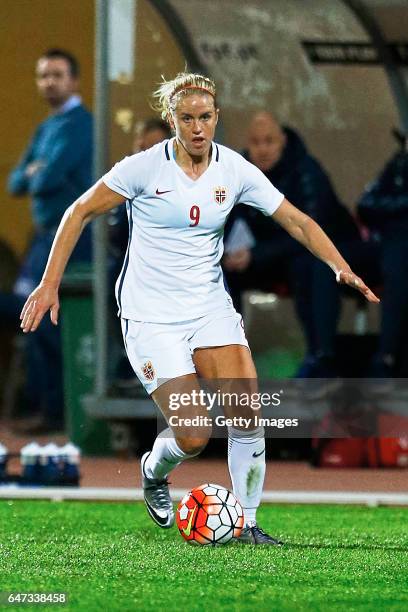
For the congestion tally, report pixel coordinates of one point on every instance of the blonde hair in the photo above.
(169, 93)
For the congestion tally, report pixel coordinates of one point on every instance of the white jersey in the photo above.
(172, 270)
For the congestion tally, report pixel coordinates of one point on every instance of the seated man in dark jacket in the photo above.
(274, 256)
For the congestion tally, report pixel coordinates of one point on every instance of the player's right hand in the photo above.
(42, 299)
(354, 281)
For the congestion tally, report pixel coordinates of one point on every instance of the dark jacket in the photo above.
(305, 184)
(63, 142)
(384, 204)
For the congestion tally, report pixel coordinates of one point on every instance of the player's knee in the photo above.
(193, 446)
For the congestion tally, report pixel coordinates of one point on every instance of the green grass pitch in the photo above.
(112, 557)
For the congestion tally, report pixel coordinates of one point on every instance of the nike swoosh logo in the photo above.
(187, 530)
(159, 520)
(161, 192)
(258, 454)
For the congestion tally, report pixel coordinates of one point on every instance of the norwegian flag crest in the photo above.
(148, 370)
(220, 195)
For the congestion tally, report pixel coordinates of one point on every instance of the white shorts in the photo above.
(160, 351)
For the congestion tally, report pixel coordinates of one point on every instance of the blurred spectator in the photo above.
(148, 133)
(382, 259)
(55, 169)
(262, 254)
(383, 207)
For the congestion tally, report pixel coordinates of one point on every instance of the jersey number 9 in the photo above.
(194, 215)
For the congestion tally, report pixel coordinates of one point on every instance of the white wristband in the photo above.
(338, 275)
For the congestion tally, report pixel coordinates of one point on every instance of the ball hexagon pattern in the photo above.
(183, 512)
(209, 515)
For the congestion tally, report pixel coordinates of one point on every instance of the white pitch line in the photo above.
(376, 498)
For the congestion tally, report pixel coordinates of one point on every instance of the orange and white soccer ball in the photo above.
(209, 515)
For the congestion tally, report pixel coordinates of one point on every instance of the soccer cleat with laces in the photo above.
(252, 534)
(157, 498)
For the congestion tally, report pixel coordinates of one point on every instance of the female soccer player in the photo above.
(177, 318)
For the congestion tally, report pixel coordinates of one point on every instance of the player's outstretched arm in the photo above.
(310, 234)
(94, 202)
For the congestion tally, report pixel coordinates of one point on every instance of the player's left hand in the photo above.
(354, 281)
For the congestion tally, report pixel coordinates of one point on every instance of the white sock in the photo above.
(165, 456)
(246, 470)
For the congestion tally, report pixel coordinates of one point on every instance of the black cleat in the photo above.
(157, 499)
(252, 534)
